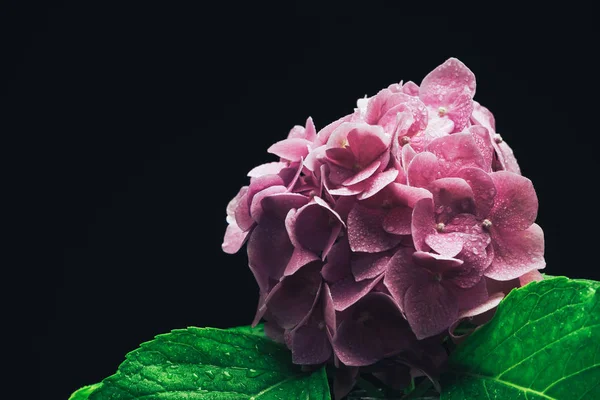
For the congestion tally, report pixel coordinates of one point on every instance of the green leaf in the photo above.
(212, 364)
(543, 343)
(257, 330)
(84, 392)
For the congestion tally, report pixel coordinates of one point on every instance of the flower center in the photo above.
(344, 143)
(404, 140)
(487, 224)
(442, 111)
(440, 227)
(498, 138)
(437, 277)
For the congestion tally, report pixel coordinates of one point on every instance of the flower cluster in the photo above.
(387, 227)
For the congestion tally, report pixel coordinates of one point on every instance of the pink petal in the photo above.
(407, 195)
(482, 116)
(310, 133)
(452, 196)
(484, 190)
(242, 214)
(516, 253)
(423, 223)
(516, 204)
(447, 244)
(271, 168)
(315, 158)
(455, 152)
(484, 142)
(401, 273)
(377, 182)
(368, 142)
(452, 86)
(366, 233)
(507, 158)
(234, 239)
(398, 221)
(324, 134)
(290, 149)
(410, 88)
(347, 291)
(472, 297)
(362, 174)
(423, 169)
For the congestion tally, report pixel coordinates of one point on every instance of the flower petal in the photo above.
(348, 291)
(516, 204)
(290, 149)
(423, 223)
(292, 299)
(373, 330)
(368, 265)
(271, 168)
(430, 308)
(398, 221)
(516, 253)
(452, 86)
(365, 230)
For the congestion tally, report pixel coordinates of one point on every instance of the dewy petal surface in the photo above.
(373, 330)
(451, 86)
(515, 204)
(516, 253)
(365, 230)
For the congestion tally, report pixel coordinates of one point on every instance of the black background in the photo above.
(128, 127)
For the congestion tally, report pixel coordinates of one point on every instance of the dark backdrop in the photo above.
(130, 126)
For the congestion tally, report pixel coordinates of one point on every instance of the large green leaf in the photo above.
(543, 343)
(211, 364)
(85, 392)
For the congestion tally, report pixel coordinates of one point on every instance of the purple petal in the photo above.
(401, 273)
(279, 204)
(310, 342)
(338, 262)
(516, 253)
(368, 265)
(430, 308)
(329, 313)
(373, 330)
(348, 291)
(256, 207)
(269, 248)
(300, 257)
(365, 230)
(516, 204)
(292, 299)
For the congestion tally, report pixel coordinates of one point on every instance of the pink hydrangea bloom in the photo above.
(376, 235)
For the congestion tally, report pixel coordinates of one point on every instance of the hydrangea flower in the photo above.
(376, 235)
